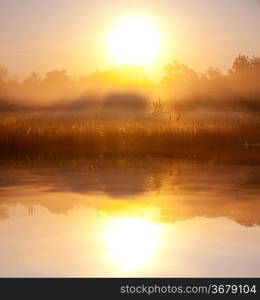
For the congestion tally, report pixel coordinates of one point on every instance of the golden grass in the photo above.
(50, 137)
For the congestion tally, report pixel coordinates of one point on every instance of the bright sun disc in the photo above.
(134, 41)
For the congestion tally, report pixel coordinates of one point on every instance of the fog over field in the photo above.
(127, 92)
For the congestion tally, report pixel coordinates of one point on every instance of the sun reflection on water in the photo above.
(132, 242)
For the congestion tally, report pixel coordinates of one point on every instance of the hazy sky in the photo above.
(48, 34)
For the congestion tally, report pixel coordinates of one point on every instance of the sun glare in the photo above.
(131, 242)
(134, 41)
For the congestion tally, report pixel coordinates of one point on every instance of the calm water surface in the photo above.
(130, 218)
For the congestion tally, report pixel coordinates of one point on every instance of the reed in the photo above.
(45, 136)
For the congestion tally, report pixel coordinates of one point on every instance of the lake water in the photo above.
(146, 217)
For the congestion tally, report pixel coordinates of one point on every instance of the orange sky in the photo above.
(43, 35)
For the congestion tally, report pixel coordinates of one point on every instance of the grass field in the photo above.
(21, 135)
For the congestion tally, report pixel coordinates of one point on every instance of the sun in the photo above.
(134, 41)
